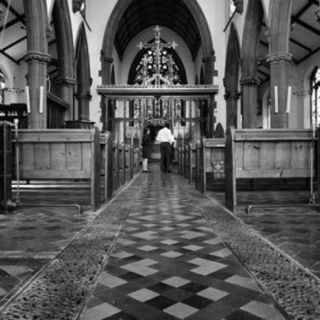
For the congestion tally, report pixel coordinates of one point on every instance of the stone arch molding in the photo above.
(111, 28)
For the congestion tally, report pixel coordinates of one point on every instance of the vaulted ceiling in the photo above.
(172, 14)
(304, 36)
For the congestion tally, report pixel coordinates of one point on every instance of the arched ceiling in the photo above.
(172, 14)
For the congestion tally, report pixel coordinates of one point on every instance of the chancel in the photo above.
(96, 223)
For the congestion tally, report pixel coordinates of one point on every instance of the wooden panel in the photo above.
(59, 160)
(282, 155)
(27, 156)
(251, 158)
(300, 153)
(238, 154)
(42, 156)
(267, 155)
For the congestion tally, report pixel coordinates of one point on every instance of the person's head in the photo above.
(167, 125)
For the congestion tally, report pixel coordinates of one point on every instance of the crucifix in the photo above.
(156, 47)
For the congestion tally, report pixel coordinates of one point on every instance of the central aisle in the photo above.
(168, 264)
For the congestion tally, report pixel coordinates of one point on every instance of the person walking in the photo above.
(146, 148)
(166, 139)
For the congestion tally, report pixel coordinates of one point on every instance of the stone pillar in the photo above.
(66, 92)
(83, 102)
(279, 70)
(232, 107)
(208, 63)
(249, 101)
(279, 59)
(37, 59)
(106, 68)
(36, 77)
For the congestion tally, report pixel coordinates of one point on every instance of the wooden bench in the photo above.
(210, 164)
(56, 154)
(259, 153)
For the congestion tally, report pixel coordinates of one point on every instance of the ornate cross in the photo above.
(156, 47)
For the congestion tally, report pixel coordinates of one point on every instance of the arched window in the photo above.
(315, 97)
(2, 86)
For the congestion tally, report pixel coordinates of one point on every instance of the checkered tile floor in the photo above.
(168, 264)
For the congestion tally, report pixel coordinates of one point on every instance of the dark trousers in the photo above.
(165, 152)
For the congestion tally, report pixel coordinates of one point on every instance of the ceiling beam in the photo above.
(308, 55)
(308, 27)
(14, 43)
(9, 57)
(12, 22)
(20, 17)
(296, 16)
(300, 44)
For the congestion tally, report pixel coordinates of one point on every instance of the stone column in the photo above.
(279, 59)
(66, 92)
(249, 101)
(232, 107)
(105, 72)
(83, 101)
(37, 59)
(279, 69)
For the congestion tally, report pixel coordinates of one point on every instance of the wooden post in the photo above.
(198, 169)
(190, 163)
(116, 164)
(95, 170)
(108, 166)
(203, 166)
(230, 171)
(317, 154)
(124, 156)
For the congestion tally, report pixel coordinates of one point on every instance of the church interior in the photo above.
(231, 231)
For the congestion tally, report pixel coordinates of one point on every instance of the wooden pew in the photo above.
(62, 154)
(259, 153)
(210, 161)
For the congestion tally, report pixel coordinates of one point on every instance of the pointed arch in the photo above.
(113, 22)
(83, 74)
(231, 78)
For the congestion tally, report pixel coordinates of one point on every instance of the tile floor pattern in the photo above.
(169, 265)
(294, 229)
(30, 237)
